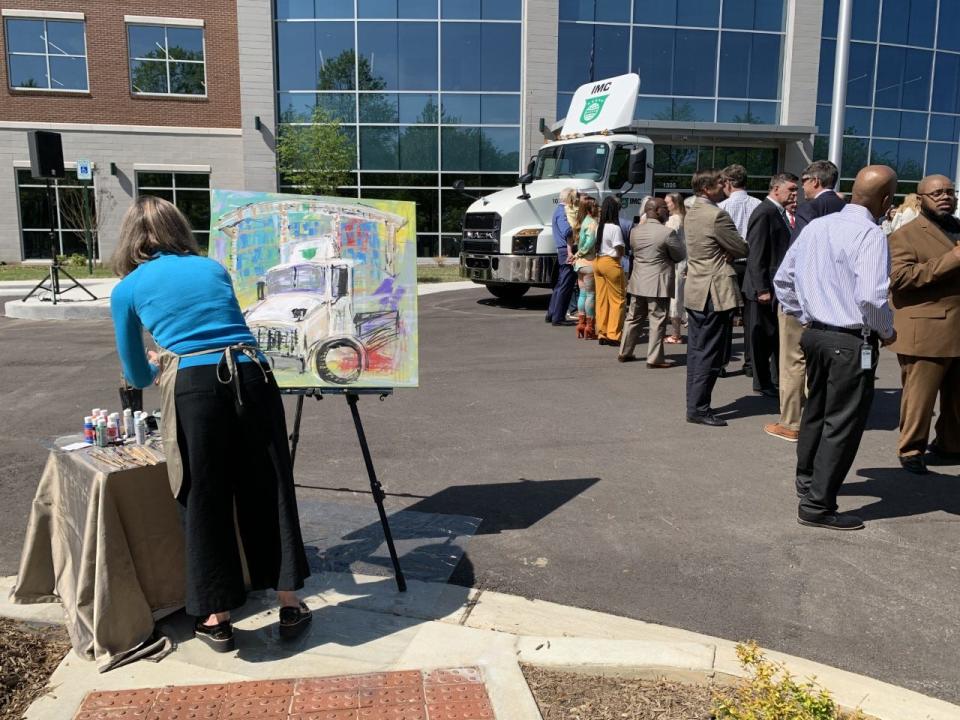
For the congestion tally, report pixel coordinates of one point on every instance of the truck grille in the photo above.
(276, 340)
(481, 232)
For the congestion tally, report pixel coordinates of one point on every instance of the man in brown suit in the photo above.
(656, 250)
(925, 296)
(711, 292)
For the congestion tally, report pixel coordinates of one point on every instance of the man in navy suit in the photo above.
(818, 181)
(768, 236)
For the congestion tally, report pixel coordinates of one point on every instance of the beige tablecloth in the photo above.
(108, 545)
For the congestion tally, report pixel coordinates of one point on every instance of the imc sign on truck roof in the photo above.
(507, 241)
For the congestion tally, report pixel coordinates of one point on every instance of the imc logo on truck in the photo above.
(592, 108)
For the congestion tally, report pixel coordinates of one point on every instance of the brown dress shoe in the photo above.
(658, 366)
(779, 431)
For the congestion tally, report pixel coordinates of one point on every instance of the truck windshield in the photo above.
(580, 160)
(298, 277)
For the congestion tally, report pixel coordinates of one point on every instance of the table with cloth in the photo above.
(108, 545)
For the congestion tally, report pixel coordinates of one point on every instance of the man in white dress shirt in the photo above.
(835, 281)
(739, 206)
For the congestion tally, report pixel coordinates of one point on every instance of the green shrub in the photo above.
(769, 692)
(73, 261)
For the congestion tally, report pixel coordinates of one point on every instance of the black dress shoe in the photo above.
(608, 341)
(769, 392)
(723, 372)
(707, 419)
(831, 521)
(914, 464)
(294, 621)
(941, 456)
(564, 323)
(548, 318)
(747, 371)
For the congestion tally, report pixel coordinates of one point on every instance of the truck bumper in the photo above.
(535, 270)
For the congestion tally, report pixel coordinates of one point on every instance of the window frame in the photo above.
(130, 21)
(173, 171)
(45, 17)
(58, 184)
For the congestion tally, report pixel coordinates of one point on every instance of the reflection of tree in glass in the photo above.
(28, 83)
(681, 111)
(186, 78)
(317, 157)
(748, 118)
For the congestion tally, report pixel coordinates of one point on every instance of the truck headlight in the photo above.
(525, 241)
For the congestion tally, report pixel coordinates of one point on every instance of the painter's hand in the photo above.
(154, 359)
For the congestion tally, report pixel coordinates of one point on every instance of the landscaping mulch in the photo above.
(575, 696)
(28, 656)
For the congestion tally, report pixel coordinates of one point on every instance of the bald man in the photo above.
(925, 294)
(834, 280)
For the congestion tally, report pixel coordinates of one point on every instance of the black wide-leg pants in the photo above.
(237, 479)
(839, 395)
(707, 333)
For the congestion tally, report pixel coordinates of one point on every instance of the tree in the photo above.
(316, 157)
(85, 209)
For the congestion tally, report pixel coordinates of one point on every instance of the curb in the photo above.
(437, 625)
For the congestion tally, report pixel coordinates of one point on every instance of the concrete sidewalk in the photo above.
(76, 304)
(363, 625)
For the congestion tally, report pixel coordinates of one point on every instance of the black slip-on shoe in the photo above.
(707, 419)
(914, 464)
(218, 638)
(563, 323)
(294, 621)
(831, 521)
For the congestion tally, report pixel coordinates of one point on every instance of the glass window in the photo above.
(461, 109)
(499, 109)
(903, 156)
(753, 14)
(70, 216)
(298, 9)
(941, 159)
(481, 9)
(909, 22)
(585, 160)
(681, 109)
(750, 65)
(379, 148)
(944, 127)
(481, 56)
(703, 13)
(828, 49)
(860, 74)
(946, 84)
(903, 78)
(603, 52)
(190, 192)
(46, 54)
(595, 10)
(676, 62)
(743, 111)
(948, 21)
(400, 56)
(894, 124)
(499, 149)
(405, 9)
(418, 148)
(619, 167)
(866, 17)
(166, 60)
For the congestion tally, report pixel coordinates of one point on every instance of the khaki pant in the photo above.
(793, 371)
(639, 309)
(923, 379)
(611, 293)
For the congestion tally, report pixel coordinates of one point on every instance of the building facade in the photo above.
(173, 98)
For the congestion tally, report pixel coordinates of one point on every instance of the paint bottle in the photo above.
(141, 431)
(89, 434)
(95, 414)
(113, 432)
(101, 433)
(128, 426)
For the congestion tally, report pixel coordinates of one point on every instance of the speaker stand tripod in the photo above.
(51, 283)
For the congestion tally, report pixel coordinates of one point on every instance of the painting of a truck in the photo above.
(327, 288)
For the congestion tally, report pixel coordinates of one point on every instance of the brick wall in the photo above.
(110, 100)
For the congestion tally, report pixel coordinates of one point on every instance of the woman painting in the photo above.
(677, 313)
(583, 263)
(223, 426)
(610, 280)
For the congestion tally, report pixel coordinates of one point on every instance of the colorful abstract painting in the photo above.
(327, 285)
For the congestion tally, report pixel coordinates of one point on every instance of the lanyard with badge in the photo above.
(866, 350)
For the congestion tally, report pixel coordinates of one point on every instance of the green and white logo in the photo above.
(592, 108)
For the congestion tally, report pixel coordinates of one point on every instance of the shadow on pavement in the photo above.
(527, 302)
(902, 494)
(748, 406)
(885, 410)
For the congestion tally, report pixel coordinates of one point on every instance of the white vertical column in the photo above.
(539, 84)
(801, 67)
(257, 94)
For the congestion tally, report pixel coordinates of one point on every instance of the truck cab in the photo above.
(507, 240)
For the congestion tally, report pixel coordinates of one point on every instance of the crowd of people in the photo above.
(819, 286)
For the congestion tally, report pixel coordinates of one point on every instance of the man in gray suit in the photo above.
(656, 250)
(711, 293)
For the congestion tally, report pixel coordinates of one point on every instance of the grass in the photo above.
(425, 273)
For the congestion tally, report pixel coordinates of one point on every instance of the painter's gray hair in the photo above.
(568, 195)
(152, 225)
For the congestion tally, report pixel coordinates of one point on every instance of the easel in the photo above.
(353, 397)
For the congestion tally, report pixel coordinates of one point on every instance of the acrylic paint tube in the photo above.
(141, 431)
(89, 434)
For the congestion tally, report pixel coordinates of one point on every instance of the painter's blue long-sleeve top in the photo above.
(187, 304)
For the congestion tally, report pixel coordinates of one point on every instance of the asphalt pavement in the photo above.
(593, 490)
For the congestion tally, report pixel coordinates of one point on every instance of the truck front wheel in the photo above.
(339, 362)
(507, 291)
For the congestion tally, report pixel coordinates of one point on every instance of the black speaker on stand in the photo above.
(46, 162)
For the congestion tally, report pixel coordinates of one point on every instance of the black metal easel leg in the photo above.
(295, 435)
(377, 489)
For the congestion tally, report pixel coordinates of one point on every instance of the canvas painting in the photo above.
(327, 285)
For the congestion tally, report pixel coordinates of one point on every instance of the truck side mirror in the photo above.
(457, 185)
(526, 178)
(638, 166)
(531, 166)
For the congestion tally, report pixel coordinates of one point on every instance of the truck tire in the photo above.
(507, 291)
(339, 362)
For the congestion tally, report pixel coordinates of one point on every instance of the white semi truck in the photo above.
(507, 241)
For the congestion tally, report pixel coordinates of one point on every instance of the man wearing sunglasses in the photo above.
(925, 296)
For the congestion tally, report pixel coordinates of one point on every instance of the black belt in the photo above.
(856, 332)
